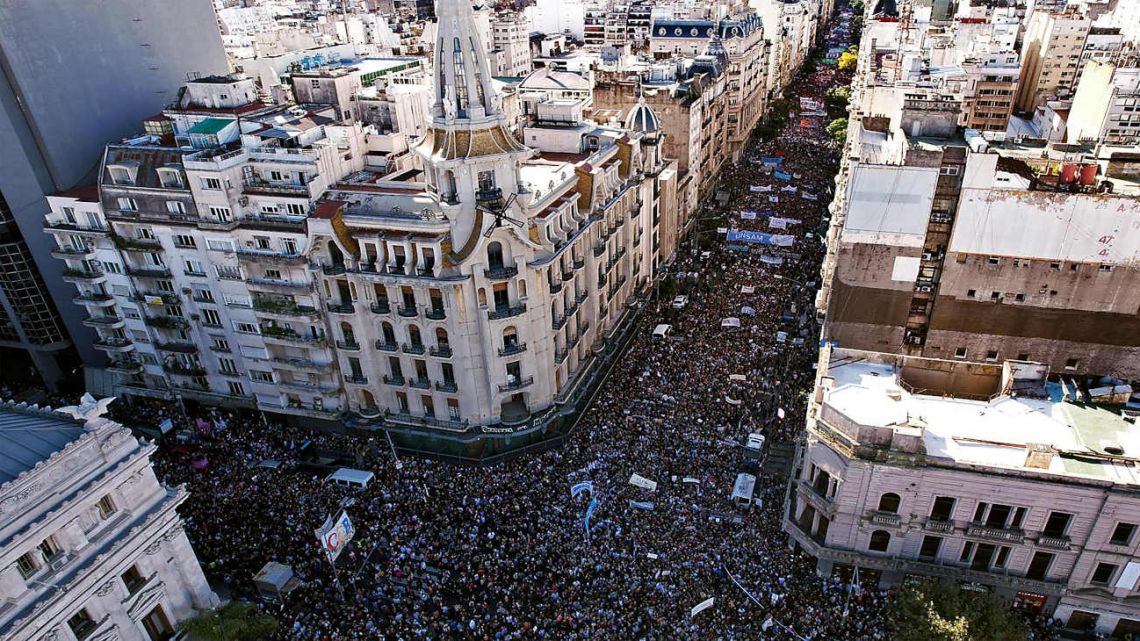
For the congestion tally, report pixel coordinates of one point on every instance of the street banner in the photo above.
(771, 260)
(166, 425)
(773, 199)
(748, 214)
(747, 311)
(808, 196)
(782, 175)
(760, 189)
(747, 289)
(334, 535)
(731, 321)
(642, 505)
(586, 520)
(701, 607)
(772, 160)
(641, 481)
(779, 240)
(777, 223)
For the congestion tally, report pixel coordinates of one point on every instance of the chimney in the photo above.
(1038, 456)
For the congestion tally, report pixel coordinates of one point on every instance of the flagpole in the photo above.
(757, 602)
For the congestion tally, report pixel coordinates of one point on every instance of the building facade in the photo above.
(112, 561)
(978, 473)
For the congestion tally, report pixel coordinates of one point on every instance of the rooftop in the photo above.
(29, 435)
(979, 415)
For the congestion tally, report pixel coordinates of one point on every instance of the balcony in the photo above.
(420, 383)
(89, 276)
(579, 263)
(945, 527)
(442, 351)
(408, 311)
(114, 345)
(91, 298)
(348, 346)
(447, 386)
(980, 530)
(136, 244)
(332, 270)
(77, 228)
(602, 280)
(289, 336)
(567, 276)
(884, 518)
(384, 346)
(555, 288)
(106, 322)
(73, 253)
(341, 308)
(1054, 542)
(599, 250)
(180, 347)
(397, 381)
(284, 308)
(356, 379)
(511, 350)
(148, 271)
(501, 272)
(413, 349)
(500, 313)
(381, 308)
(274, 188)
(125, 367)
(271, 257)
(436, 314)
(560, 356)
(491, 197)
(517, 384)
(167, 322)
(181, 369)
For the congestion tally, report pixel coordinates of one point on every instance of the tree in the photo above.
(837, 129)
(943, 611)
(848, 61)
(235, 621)
(837, 97)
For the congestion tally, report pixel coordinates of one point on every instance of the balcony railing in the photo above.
(413, 349)
(283, 307)
(94, 299)
(397, 381)
(381, 308)
(386, 346)
(560, 356)
(351, 346)
(72, 274)
(259, 186)
(501, 272)
(1055, 542)
(432, 313)
(113, 344)
(516, 384)
(420, 383)
(441, 351)
(181, 347)
(447, 386)
(149, 271)
(511, 350)
(505, 312)
(884, 518)
(934, 525)
(981, 530)
(356, 380)
(408, 311)
(341, 308)
(555, 288)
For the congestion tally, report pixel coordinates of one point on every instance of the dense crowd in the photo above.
(447, 552)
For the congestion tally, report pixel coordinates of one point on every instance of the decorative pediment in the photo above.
(146, 599)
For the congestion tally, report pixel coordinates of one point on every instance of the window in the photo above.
(453, 409)
(220, 244)
(106, 507)
(1072, 363)
(1103, 573)
(960, 352)
(81, 624)
(121, 176)
(194, 268)
(220, 345)
(1057, 524)
(971, 293)
(28, 563)
(1106, 268)
(1122, 534)
(247, 328)
(211, 317)
(261, 376)
(49, 548)
(175, 207)
(995, 296)
(880, 540)
(1019, 298)
(128, 204)
(133, 579)
(889, 502)
(296, 209)
(943, 508)
(221, 213)
(930, 547)
(967, 551)
(211, 183)
(1024, 356)
(184, 240)
(236, 388)
(995, 260)
(992, 355)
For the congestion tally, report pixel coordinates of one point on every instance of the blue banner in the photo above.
(642, 505)
(738, 248)
(780, 240)
(772, 160)
(586, 521)
(781, 175)
(578, 488)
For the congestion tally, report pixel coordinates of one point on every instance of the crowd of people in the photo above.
(507, 552)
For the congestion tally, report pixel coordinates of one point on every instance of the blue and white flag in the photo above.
(771, 260)
(578, 488)
(782, 175)
(586, 520)
(761, 238)
(748, 214)
(642, 505)
(747, 311)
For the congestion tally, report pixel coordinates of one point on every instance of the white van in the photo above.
(743, 489)
(754, 445)
(661, 332)
(350, 478)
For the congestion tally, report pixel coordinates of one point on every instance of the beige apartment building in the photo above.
(1051, 55)
(992, 475)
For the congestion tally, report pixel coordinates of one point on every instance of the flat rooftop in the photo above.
(976, 429)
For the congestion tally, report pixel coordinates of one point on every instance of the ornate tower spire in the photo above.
(463, 90)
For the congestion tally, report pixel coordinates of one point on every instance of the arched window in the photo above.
(346, 331)
(388, 332)
(880, 540)
(889, 502)
(495, 255)
(414, 336)
(449, 187)
(482, 297)
(510, 338)
(441, 337)
(367, 400)
(335, 255)
(522, 288)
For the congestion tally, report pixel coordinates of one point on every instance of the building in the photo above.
(1050, 55)
(558, 17)
(990, 87)
(510, 38)
(1104, 105)
(790, 28)
(94, 547)
(52, 137)
(998, 476)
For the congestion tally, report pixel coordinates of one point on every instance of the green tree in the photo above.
(942, 611)
(837, 97)
(837, 129)
(235, 621)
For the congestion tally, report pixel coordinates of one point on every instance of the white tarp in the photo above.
(641, 481)
(889, 205)
(1128, 577)
(906, 268)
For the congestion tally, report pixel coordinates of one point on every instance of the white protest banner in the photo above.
(737, 377)
(335, 535)
(773, 199)
(722, 230)
(808, 196)
(731, 401)
(641, 481)
(747, 289)
(777, 223)
(689, 479)
(730, 322)
(748, 214)
(701, 607)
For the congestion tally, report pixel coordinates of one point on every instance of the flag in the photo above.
(767, 624)
(578, 488)
(748, 214)
(335, 534)
(701, 607)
